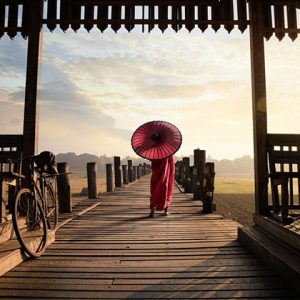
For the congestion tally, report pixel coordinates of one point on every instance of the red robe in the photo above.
(162, 180)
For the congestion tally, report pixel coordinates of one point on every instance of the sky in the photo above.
(95, 89)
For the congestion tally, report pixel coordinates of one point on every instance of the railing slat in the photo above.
(89, 16)
(65, 14)
(116, 16)
(51, 14)
(242, 14)
(102, 12)
(279, 21)
(12, 20)
(292, 21)
(202, 16)
(75, 16)
(189, 16)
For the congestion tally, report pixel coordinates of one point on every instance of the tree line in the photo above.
(241, 166)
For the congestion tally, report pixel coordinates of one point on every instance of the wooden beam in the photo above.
(146, 2)
(30, 126)
(259, 105)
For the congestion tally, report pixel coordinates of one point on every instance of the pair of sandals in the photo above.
(152, 213)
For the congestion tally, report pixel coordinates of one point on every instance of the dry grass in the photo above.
(226, 185)
(78, 180)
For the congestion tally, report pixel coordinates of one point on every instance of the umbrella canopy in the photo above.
(156, 140)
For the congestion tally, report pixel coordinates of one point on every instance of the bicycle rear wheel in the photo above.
(30, 223)
(51, 206)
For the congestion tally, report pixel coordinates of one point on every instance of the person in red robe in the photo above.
(162, 179)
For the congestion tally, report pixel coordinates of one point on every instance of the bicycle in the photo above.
(35, 206)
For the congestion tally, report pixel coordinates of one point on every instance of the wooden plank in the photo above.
(115, 251)
(150, 294)
(284, 140)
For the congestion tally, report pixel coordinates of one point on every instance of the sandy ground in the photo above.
(239, 207)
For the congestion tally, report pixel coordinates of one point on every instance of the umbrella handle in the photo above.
(155, 136)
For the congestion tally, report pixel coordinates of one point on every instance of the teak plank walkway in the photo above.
(115, 251)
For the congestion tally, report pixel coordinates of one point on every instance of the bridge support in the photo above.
(259, 105)
(30, 127)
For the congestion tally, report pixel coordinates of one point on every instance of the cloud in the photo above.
(97, 88)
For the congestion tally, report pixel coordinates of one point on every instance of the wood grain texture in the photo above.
(115, 251)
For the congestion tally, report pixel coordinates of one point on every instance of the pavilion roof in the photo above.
(280, 16)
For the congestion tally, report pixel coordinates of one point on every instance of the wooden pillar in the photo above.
(259, 105)
(2, 203)
(92, 179)
(129, 162)
(187, 184)
(138, 172)
(134, 173)
(209, 174)
(117, 166)
(144, 170)
(64, 188)
(30, 125)
(109, 178)
(199, 163)
(125, 174)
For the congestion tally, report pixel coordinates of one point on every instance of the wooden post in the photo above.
(64, 188)
(92, 179)
(199, 163)
(209, 174)
(109, 178)
(259, 105)
(30, 123)
(130, 170)
(117, 166)
(187, 184)
(125, 174)
(144, 170)
(134, 173)
(192, 179)
(148, 169)
(138, 172)
(2, 203)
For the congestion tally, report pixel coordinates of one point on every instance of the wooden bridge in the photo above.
(115, 251)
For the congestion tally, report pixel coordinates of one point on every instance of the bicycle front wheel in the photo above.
(30, 223)
(51, 207)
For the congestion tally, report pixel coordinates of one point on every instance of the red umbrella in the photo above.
(156, 140)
